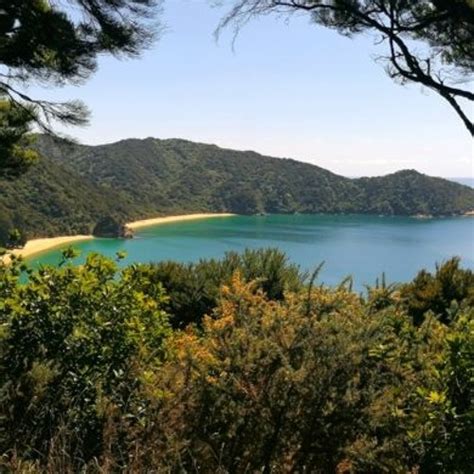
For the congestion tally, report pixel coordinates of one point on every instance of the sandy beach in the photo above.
(168, 219)
(36, 246)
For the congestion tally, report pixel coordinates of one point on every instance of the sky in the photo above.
(285, 89)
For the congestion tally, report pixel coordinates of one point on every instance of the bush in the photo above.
(266, 387)
(193, 289)
(441, 293)
(277, 376)
(71, 341)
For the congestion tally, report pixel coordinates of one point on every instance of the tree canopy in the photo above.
(428, 42)
(56, 43)
(15, 153)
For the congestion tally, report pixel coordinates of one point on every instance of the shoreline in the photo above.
(36, 246)
(44, 244)
(179, 218)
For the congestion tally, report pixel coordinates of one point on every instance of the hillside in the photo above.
(75, 185)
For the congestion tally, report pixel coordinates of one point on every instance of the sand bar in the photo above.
(169, 219)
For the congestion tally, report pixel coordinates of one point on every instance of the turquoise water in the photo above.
(363, 246)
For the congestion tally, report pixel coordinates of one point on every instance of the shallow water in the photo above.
(362, 246)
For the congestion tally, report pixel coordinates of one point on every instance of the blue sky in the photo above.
(288, 89)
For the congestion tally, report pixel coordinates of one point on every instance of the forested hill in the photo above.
(74, 185)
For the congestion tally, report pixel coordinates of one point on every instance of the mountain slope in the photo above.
(179, 175)
(408, 192)
(75, 185)
(52, 198)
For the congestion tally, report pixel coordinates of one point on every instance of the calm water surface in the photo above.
(363, 246)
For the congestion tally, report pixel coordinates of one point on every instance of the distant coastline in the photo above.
(430, 216)
(40, 245)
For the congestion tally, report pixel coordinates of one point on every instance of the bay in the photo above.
(361, 246)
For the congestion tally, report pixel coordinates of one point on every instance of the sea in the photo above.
(362, 246)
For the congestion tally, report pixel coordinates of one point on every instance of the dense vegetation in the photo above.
(110, 227)
(74, 186)
(237, 365)
(162, 368)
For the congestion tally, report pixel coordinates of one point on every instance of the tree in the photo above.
(442, 293)
(16, 238)
(57, 43)
(111, 227)
(444, 29)
(15, 153)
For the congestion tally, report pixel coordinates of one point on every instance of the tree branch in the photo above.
(383, 17)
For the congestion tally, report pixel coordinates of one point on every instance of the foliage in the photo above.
(442, 293)
(110, 227)
(74, 186)
(428, 42)
(16, 239)
(303, 380)
(194, 289)
(381, 295)
(270, 388)
(49, 200)
(71, 341)
(445, 406)
(16, 153)
(57, 43)
(11, 237)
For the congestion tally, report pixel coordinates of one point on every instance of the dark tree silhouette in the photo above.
(444, 29)
(56, 43)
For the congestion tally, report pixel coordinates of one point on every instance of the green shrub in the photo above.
(441, 292)
(71, 339)
(277, 376)
(193, 289)
(266, 387)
